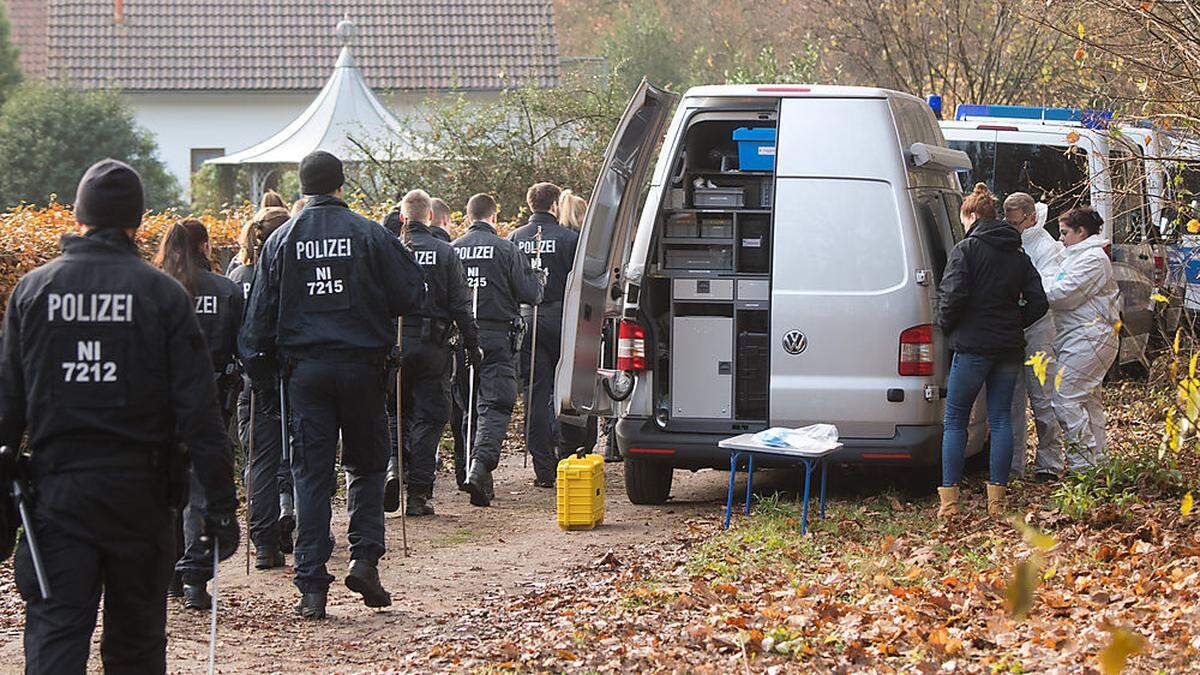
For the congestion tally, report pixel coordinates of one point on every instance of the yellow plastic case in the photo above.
(581, 492)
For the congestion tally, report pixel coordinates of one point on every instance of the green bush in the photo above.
(1127, 476)
(51, 132)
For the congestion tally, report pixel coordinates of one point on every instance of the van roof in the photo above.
(792, 90)
(992, 124)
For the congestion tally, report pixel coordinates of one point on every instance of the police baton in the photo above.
(537, 243)
(212, 628)
(471, 382)
(400, 430)
(17, 492)
(249, 478)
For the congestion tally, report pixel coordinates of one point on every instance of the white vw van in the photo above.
(781, 270)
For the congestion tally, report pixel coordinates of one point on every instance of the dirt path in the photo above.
(460, 555)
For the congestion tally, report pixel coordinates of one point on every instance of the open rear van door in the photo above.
(594, 286)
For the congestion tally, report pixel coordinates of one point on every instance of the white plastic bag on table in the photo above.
(813, 438)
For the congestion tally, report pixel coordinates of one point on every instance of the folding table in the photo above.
(745, 444)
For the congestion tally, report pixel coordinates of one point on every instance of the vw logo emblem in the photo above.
(794, 342)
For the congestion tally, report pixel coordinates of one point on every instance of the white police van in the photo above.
(781, 270)
(1064, 158)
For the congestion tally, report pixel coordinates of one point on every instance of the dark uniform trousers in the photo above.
(195, 564)
(271, 475)
(543, 430)
(326, 396)
(496, 393)
(425, 409)
(107, 531)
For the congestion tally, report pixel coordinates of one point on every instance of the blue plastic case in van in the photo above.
(756, 148)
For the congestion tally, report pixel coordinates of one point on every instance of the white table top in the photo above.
(745, 443)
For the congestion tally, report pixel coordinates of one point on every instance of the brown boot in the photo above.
(996, 500)
(949, 499)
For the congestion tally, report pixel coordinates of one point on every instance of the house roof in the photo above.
(273, 45)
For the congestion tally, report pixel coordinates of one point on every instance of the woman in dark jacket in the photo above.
(989, 294)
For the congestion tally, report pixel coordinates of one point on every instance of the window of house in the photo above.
(202, 155)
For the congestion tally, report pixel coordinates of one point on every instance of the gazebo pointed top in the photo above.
(345, 108)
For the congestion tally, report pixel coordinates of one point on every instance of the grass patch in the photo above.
(1105, 492)
(461, 535)
(770, 539)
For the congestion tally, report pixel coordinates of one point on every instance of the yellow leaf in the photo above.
(1158, 297)
(1073, 137)
(1178, 333)
(1039, 363)
(1192, 365)
(1172, 431)
(1079, 29)
(1185, 507)
(1117, 326)
(1124, 643)
(1035, 537)
(1193, 226)
(1018, 595)
(1058, 380)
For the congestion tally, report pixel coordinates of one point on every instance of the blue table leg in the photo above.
(804, 509)
(824, 466)
(733, 459)
(749, 480)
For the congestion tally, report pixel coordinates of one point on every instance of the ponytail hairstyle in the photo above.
(981, 202)
(571, 210)
(254, 234)
(1083, 218)
(181, 253)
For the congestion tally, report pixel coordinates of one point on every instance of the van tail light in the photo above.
(631, 346)
(916, 350)
(1160, 270)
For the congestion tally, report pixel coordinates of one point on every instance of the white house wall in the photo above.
(233, 121)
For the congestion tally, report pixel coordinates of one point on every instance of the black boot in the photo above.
(418, 502)
(363, 579)
(391, 493)
(196, 597)
(311, 605)
(287, 525)
(267, 557)
(479, 484)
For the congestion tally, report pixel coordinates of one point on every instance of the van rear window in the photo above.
(842, 235)
(1051, 174)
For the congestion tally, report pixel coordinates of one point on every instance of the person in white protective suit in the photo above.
(1085, 302)
(1046, 252)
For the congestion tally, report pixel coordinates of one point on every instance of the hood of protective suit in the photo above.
(1043, 249)
(1084, 295)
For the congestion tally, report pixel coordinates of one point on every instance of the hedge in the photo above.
(29, 236)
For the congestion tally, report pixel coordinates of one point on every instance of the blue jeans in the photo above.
(968, 374)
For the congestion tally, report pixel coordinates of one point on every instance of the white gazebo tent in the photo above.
(345, 109)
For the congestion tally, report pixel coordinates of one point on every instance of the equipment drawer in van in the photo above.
(702, 289)
(699, 257)
(753, 289)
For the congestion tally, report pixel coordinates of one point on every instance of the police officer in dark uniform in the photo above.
(502, 278)
(184, 254)
(103, 364)
(439, 223)
(326, 290)
(272, 510)
(557, 244)
(425, 359)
